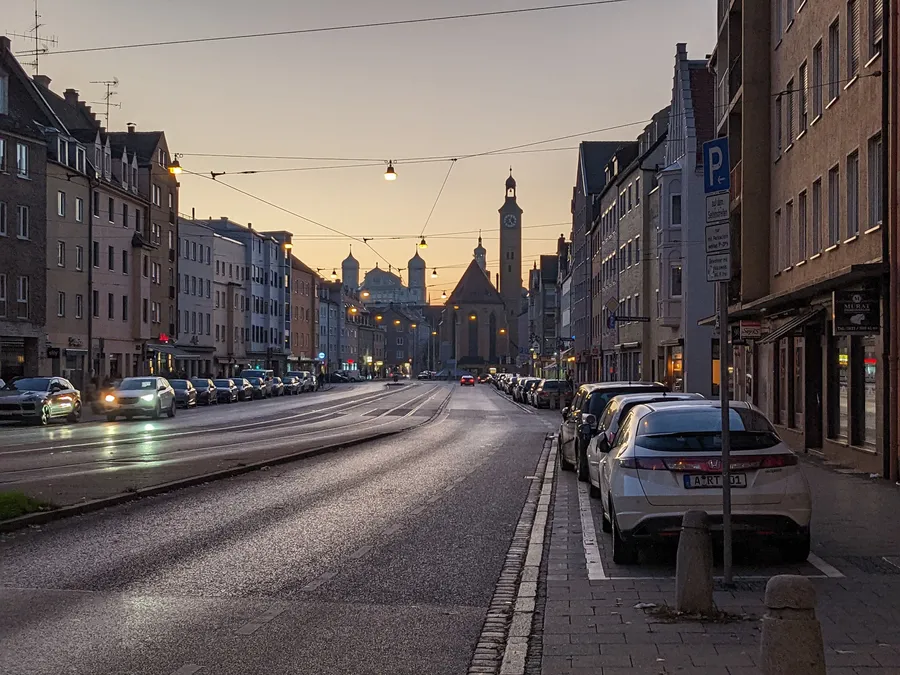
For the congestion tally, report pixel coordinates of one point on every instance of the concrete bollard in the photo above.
(693, 568)
(791, 642)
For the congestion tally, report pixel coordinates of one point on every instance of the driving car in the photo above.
(139, 396)
(276, 387)
(185, 393)
(245, 389)
(206, 390)
(38, 400)
(591, 399)
(291, 385)
(467, 381)
(603, 432)
(667, 459)
(226, 391)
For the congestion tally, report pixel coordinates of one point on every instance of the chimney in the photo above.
(249, 226)
(71, 96)
(42, 81)
(5, 44)
(132, 127)
(498, 281)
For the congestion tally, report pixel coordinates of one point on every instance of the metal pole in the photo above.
(726, 434)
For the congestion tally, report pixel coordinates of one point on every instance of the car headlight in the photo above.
(148, 397)
(110, 398)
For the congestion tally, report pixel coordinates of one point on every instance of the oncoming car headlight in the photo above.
(110, 398)
(148, 397)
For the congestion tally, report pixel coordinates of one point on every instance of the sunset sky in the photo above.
(449, 88)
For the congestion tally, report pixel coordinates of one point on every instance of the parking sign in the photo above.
(716, 166)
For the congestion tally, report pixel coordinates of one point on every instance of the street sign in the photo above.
(640, 319)
(750, 330)
(718, 266)
(611, 305)
(611, 321)
(718, 207)
(718, 237)
(716, 166)
(321, 355)
(857, 312)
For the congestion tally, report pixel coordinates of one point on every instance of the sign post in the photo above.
(717, 187)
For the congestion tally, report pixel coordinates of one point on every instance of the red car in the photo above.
(467, 381)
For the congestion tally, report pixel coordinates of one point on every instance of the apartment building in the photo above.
(304, 315)
(196, 343)
(331, 320)
(817, 367)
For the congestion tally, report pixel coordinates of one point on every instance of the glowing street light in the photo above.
(434, 273)
(175, 167)
(443, 295)
(390, 174)
(334, 274)
(423, 243)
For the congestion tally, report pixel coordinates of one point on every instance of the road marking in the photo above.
(394, 528)
(434, 499)
(360, 552)
(255, 624)
(188, 669)
(828, 570)
(416, 511)
(318, 581)
(589, 536)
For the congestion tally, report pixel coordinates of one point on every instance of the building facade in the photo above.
(200, 298)
(231, 305)
(304, 315)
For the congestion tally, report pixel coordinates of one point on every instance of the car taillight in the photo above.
(777, 461)
(643, 463)
(710, 464)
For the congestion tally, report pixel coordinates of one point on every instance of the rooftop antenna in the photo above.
(41, 44)
(110, 85)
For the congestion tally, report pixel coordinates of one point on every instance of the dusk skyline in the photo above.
(450, 88)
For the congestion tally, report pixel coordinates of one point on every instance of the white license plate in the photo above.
(713, 480)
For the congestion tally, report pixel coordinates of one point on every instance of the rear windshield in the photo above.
(179, 384)
(551, 385)
(599, 399)
(701, 430)
(222, 383)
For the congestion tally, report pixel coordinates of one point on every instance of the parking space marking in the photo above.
(828, 570)
(318, 581)
(360, 552)
(592, 558)
(255, 624)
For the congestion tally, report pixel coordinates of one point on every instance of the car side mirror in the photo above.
(161, 388)
(589, 420)
(585, 430)
(565, 412)
(603, 444)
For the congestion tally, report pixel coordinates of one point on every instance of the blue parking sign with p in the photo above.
(716, 166)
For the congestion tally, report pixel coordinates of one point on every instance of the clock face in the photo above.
(509, 220)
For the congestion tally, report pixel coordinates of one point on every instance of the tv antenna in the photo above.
(107, 99)
(41, 44)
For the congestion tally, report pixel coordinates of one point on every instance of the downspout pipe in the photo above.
(890, 251)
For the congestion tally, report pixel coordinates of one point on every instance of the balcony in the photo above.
(735, 78)
(737, 177)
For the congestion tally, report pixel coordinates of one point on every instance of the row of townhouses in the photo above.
(799, 91)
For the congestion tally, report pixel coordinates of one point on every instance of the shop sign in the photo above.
(52, 352)
(857, 312)
(750, 330)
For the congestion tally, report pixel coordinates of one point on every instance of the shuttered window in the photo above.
(803, 93)
(853, 42)
(877, 28)
(834, 60)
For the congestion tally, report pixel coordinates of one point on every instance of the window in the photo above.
(834, 205)
(834, 59)
(193, 250)
(124, 214)
(22, 297)
(156, 195)
(853, 194)
(79, 306)
(80, 160)
(779, 20)
(22, 160)
(79, 210)
(23, 227)
(2, 140)
(62, 150)
(2, 295)
(399, 341)
(96, 204)
(776, 243)
(145, 267)
(676, 280)
(637, 191)
(145, 310)
(637, 249)
(816, 234)
(789, 113)
(171, 200)
(4, 95)
(60, 303)
(629, 252)
(840, 405)
(60, 254)
(193, 285)
(853, 39)
(124, 308)
(61, 204)
(124, 262)
(110, 306)
(876, 192)
(676, 210)
(79, 258)
(138, 218)
(787, 235)
(803, 99)
(801, 226)
(95, 304)
(778, 125)
(95, 254)
(207, 288)
(876, 27)
(111, 258)
(4, 220)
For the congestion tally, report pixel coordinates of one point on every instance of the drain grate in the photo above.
(872, 564)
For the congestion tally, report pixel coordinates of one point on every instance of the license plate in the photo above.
(714, 480)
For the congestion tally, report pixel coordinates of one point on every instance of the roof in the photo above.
(592, 159)
(298, 264)
(703, 89)
(28, 112)
(474, 288)
(624, 386)
(144, 143)
(705, 403)
(416, 262)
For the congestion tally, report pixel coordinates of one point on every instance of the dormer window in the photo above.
(4, 94)
(62, 150)
(134, 176)
(125, 170)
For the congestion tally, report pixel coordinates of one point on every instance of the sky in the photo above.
(436, 89)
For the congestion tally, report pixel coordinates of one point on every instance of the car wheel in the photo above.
(156, 411)
(110, 418)
(44, 419)
(605, 522)
(624, 551)
(564, 463)
(75, 416)
(796, 550)
(593, 490)
(171, 410)
(581, 464)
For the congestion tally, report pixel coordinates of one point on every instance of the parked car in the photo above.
(467, 381)
(206, 390)
(185, 393)
(276, 387)
(306, 378)
(666, 460)
(291, 385)
(226, 391)
(260, 387)
(337, 377)
(352, 375)
(245, 389)
(39, 400)
(525, 387)
(591, 399)
(141, 396)
(543, 395)
(425, 375)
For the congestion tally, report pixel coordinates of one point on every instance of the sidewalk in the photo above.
(602, 625)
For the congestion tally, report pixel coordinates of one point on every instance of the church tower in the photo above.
(350, 271)
(416, 268)
(511, 261)
(480, 255)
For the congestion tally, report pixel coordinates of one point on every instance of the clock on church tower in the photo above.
(511, 259)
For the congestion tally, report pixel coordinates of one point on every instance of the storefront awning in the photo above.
(791, 325)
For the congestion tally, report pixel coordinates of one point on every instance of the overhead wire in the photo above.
(437, 199)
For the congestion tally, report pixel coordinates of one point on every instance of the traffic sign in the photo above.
(718, 266)
(716, 166)
(718, 237)
(639, 319)
(611, 305)
(321, 355)
(611, 321)
(718, 207)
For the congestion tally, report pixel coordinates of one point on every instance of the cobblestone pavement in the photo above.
(597, 619)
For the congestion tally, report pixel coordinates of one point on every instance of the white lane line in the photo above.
(318, 581)
(255, 624)
(828, 570)
(394, 528)
(737, 577)
(188, 669)
(432, 500)
(589, 536)
(416, 511)
(360, 552)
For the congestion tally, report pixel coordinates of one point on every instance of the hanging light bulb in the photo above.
(443, 295)
(334, 275)
(434, 273)
(423, 243)
(390, 174)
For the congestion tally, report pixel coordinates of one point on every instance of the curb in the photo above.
(43, 517)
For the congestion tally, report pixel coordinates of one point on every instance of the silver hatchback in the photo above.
(141, 396)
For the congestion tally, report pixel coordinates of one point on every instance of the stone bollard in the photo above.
(791, 641)
(693, 568)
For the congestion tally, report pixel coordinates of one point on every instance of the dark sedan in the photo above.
(245, 389)
(226, 391)
(291, 385)
(38, 400)
(185, 393)
(206, 391)
(276, 387)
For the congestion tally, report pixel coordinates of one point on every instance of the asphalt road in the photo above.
(67, 464)
(378, 558)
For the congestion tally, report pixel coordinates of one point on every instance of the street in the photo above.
(377, 558)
